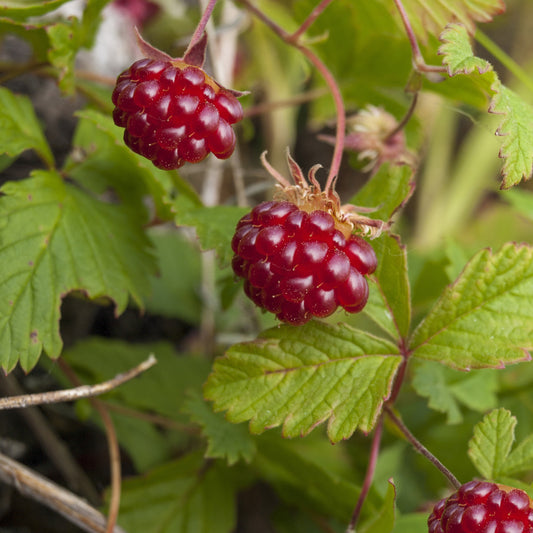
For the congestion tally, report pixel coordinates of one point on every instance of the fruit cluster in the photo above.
(483, 507)
(174, 113)
(297, 264)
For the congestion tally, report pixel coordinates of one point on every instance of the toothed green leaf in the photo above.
(54, 239)
(485, 318)
(299, 377)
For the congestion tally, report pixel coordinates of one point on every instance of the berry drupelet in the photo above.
(173, 112)
(483, 507)
(298, 256)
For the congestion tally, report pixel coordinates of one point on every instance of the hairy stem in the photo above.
(420, 448)
(370, 469)
(199, 31)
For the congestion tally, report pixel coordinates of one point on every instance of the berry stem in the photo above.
(199, 31)
(418, 59)
(324, 71)
(420, 448)
(370, 469)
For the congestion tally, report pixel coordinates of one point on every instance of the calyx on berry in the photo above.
(172, 111)
(483, 507)
(298, 254)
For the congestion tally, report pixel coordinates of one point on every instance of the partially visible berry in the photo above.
(296, 265)
(174, 113)
(483, 507)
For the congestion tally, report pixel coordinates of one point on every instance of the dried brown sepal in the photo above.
(307, 194)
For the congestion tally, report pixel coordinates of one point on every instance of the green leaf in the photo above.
(224, 440)
(64, 44)
(161, 390)
(299, 377)
(491, 443)
(516, 134)
(108, 163)
(20, 129)
(302, 480)
(215, 226)
(22, 9)
(383, 520)
(387, 191)
(521, 458)
(433, 15)
(517, 115)
(390, 305)
(54, 239)
(485, 318)
(447, 389)
(186, 496)
(176, 291)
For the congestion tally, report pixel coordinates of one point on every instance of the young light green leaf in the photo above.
(447, 389)
(299, 377)
(411, 523)
(515, 127)
(485, 318)
(383, 520)
(224, 440)
(390, 305)
(54, 239)
(433, 15)
(186, 496)
(215, 226)
(516, 134)
(491, 443)
(19, 128)
(521, 458)
(387, 191)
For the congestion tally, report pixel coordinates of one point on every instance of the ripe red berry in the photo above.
(483, 507)
(174, 113)
(297, 264)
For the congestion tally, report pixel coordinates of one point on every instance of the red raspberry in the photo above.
(297, 264)
(483, 507)
(174, 112)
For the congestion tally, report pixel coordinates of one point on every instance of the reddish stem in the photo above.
(326, 74)
(418, 59)
(369, 476)
(199, 31)
(420, 448)
(317, 11)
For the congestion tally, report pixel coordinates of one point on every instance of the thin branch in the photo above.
(112, 443)
(401, 125)
(317, 11)
(420, 448)
(418, 59)
(38, 488)
(328, 78)
(83, 391)
(370, 469)
(75, 477)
